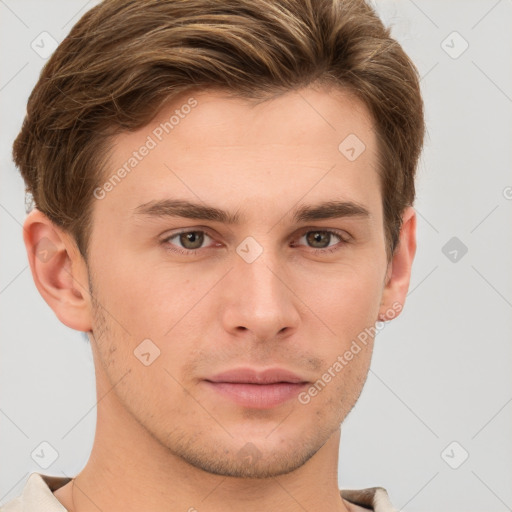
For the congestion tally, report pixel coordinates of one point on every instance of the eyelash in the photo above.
(192, 252)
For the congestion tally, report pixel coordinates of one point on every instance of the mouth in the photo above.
(255, 389)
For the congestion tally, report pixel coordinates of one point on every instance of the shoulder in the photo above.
(37, 495)
(375, 499)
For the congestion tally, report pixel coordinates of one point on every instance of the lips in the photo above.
(257, 389)
(250, 376)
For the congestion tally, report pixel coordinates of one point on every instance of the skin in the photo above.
(160, 428)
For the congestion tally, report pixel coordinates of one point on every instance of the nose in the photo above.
(258, 300)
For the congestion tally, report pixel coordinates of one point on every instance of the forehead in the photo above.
(212, 145)
(303, 117)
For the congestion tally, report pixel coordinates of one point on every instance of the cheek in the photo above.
(156, 310)
(145, 299)
(348, 302)
(338, 388)
(351, 379)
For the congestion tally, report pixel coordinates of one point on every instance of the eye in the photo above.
(189, 241)
(320, 240)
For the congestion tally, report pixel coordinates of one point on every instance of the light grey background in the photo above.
(441, 372)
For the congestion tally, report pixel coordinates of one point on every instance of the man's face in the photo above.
(267, 292)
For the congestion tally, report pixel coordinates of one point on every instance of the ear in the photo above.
(398, 274)
(59, 270)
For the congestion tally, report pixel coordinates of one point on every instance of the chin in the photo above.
(262, 455)
(249, 462)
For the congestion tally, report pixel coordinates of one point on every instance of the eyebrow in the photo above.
(303, 213)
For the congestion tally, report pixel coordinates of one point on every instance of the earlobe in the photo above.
(399, 269)
(58, 270)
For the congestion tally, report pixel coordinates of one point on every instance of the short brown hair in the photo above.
(125, 58)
